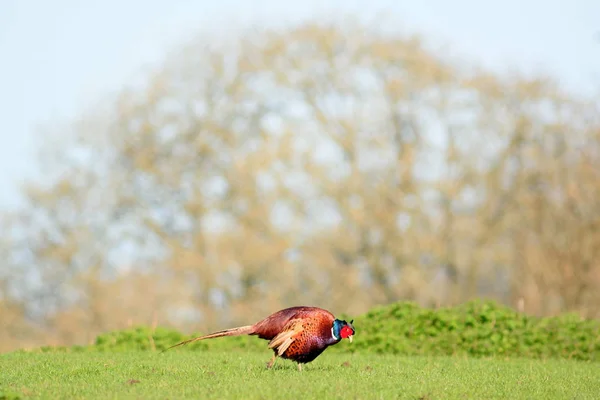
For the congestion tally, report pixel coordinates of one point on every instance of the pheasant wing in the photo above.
(286, 337)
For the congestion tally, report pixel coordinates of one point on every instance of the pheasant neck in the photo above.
(333, 335)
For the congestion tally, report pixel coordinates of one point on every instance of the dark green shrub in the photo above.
(476, 328)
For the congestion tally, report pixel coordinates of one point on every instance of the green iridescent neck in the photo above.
(335, 329)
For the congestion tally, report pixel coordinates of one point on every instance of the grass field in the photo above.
(240, 375)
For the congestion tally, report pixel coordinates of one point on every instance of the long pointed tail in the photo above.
(242, 330)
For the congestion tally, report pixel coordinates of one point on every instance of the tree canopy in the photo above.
(335, 166)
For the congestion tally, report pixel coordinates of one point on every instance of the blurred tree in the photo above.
(336, 166)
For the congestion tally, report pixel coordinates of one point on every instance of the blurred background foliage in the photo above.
(330, 165)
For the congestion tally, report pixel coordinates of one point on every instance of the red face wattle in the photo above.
(346, 332)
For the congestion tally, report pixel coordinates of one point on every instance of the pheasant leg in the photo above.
(270, 363)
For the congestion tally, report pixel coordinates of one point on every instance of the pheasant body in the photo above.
(299, 334)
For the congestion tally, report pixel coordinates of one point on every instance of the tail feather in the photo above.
(242, 330)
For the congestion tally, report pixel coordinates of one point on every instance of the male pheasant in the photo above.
(299, 334)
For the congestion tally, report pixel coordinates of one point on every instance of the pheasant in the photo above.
(299, 334)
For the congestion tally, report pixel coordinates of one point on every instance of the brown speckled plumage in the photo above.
(299, 333)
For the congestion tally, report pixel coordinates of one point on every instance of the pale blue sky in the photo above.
(59, 57)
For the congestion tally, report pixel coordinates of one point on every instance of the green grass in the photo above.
(478, 350)
(242, 375)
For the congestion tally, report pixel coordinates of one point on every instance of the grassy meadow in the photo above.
(236, 375)
(478, 350)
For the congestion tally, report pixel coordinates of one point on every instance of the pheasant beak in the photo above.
(350, 338)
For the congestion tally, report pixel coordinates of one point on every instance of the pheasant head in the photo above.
(342, 330)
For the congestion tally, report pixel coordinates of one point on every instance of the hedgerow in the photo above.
(476, 328)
